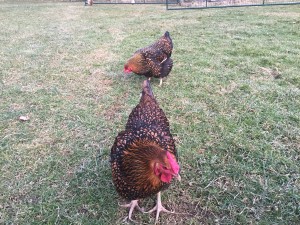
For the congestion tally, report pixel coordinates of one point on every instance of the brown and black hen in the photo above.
(154, 60)
(144, 157)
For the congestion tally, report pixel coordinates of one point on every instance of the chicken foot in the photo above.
(132, 205)
(159, 208)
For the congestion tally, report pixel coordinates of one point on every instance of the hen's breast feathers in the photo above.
(133, 183)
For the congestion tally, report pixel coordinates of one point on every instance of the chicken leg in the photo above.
(160, 82)
(159, 208)
(132, 205)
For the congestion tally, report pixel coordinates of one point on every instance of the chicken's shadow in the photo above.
(92, 191)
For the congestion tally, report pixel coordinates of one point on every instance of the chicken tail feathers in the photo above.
(166, 44)
(168, 38)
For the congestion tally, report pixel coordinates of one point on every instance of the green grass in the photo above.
(236, 126)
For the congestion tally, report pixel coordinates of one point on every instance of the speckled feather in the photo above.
(146, 134)
(149, 61)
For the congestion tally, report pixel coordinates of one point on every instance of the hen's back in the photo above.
(150, 121)
(164, 44)
(161, 48)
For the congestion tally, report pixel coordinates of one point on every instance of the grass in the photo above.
(188, 4)
(232, 100)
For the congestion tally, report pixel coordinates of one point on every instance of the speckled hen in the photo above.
(144, 157)
(154, 60)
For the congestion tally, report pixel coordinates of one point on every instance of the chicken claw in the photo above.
(132, 205)
(159, 208)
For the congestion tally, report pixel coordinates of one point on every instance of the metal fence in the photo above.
(162, 2)
(197, 4)
(202, 4)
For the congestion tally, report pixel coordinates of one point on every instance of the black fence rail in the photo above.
(202, 4)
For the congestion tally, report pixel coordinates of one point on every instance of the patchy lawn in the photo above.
(232, 99)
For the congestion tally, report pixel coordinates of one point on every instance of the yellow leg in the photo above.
(160, 82)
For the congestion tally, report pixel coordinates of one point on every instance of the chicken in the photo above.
(89, 2)
(144, 157)
(154, 60)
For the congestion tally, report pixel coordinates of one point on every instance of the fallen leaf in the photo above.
(191, 183)
(201, 151)
(24, 118)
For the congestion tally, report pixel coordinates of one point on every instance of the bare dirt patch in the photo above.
(101, 54)
(265, 74)
(98, 81)
(116, 33)
(115, 111)
(228, 89)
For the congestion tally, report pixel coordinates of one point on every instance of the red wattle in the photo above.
(166, 178)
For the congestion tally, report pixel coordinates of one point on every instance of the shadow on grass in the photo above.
(93, 196)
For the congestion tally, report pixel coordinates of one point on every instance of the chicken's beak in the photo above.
(178, 177)
(125, 74)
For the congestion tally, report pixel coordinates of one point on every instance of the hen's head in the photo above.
(127, 69)
(149, 163)
(135, 63)
(167, 168)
